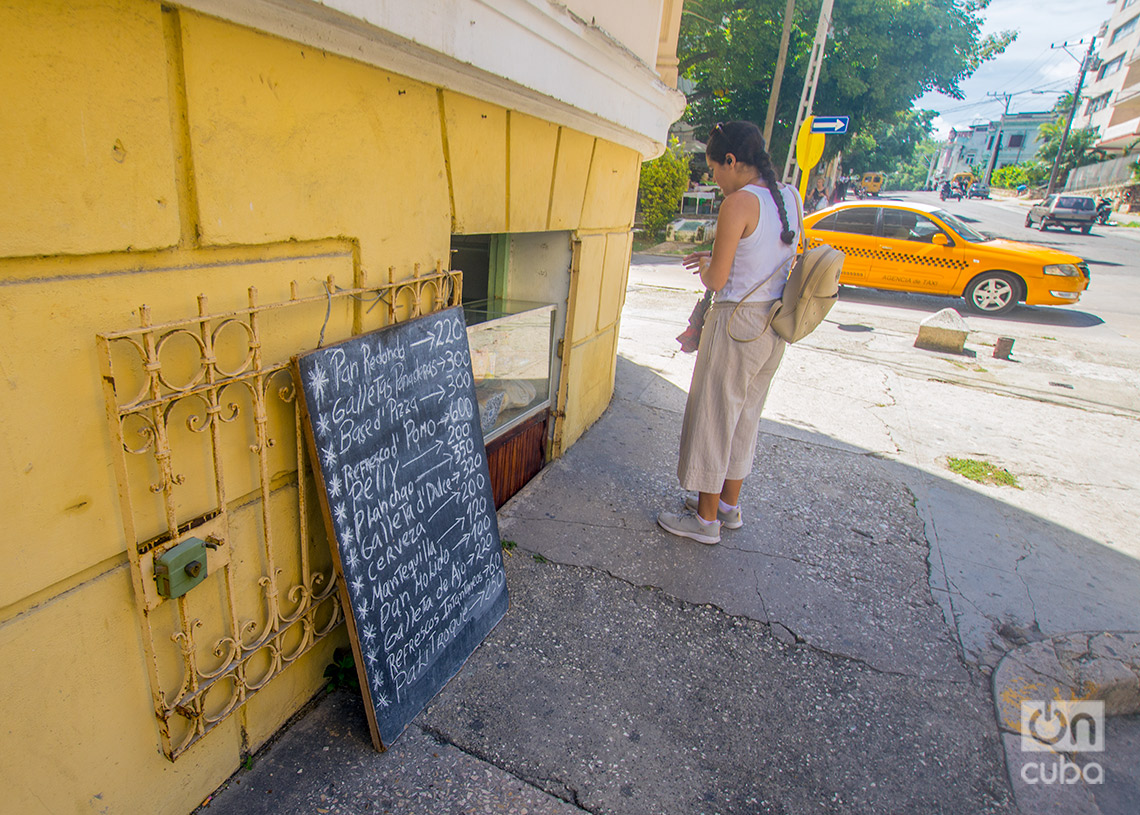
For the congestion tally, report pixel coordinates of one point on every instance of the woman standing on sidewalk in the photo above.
(747, 269)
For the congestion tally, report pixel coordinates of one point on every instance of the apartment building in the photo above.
(1111, 97)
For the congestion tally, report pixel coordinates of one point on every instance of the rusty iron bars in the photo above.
(258, 628)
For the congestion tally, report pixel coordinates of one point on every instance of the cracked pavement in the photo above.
(832, 656)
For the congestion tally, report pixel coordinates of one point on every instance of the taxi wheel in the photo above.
(992, 293)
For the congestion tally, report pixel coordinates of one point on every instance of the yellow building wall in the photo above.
(87, 158)
(476, 139)
(574, 152)
(290, 143)
(152, 156)
(600, 270)
(530, 174)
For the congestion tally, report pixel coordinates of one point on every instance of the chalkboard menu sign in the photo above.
(392, 424)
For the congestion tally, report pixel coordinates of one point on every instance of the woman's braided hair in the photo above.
(743, 140)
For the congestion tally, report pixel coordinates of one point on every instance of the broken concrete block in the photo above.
(943, 331)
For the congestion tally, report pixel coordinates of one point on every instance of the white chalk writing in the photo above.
(401, 459)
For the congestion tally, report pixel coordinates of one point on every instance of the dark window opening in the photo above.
(472, 254)
(904, 225)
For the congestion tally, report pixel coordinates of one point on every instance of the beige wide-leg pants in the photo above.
(727, 394)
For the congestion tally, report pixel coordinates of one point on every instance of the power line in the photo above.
(1045, 53)
(985, 102)
(1034, 66)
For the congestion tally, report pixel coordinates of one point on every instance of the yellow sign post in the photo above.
(809, 150)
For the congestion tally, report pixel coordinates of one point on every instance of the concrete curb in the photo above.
(1082, 666)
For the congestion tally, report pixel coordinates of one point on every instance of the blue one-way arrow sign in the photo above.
(830, 124)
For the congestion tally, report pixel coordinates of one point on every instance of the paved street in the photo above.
(840, 653)
(1110, 251)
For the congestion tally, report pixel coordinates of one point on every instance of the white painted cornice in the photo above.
(533, 56)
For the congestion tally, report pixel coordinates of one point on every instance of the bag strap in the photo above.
(801, 247)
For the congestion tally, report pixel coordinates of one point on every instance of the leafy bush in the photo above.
(1029, 173)
(1010, 177)
(663, 181)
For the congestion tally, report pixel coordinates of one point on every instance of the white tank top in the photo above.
(762, 256)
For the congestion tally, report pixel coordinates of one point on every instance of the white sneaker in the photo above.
(729, 520)
(688, 525)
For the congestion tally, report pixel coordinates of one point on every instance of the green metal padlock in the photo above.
(181, 568)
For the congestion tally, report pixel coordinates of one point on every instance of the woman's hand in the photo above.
(693, 262)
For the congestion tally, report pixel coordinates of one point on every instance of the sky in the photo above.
(1029, 64)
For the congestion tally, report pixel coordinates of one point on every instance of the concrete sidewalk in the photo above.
(839, 653)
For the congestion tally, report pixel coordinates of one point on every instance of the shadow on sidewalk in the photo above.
(801, 666)
(833, 548)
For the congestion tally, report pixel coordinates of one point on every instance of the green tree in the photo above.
(1080, 148)
(882, 55)
(891, 144)
(911, 174)
(663, 181)
(1010, 177)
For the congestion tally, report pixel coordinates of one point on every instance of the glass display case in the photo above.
(511, 358)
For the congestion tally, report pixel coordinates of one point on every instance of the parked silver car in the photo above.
(1069, 211)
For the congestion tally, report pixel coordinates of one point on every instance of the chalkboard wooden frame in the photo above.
(392, 427)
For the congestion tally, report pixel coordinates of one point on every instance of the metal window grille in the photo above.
(202, 416)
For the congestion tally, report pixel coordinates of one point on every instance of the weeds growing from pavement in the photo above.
(983, 472)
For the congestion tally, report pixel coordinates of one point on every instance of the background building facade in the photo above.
(1017, 137)
(1111, 96)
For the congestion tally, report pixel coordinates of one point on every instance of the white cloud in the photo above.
(941, 128)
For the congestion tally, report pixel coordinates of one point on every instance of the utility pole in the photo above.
(778, 76)
(807, 97)
(1085, 65)
(997, 138)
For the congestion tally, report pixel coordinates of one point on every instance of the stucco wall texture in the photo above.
(151, 155)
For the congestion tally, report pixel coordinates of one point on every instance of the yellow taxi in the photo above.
(919, 248)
